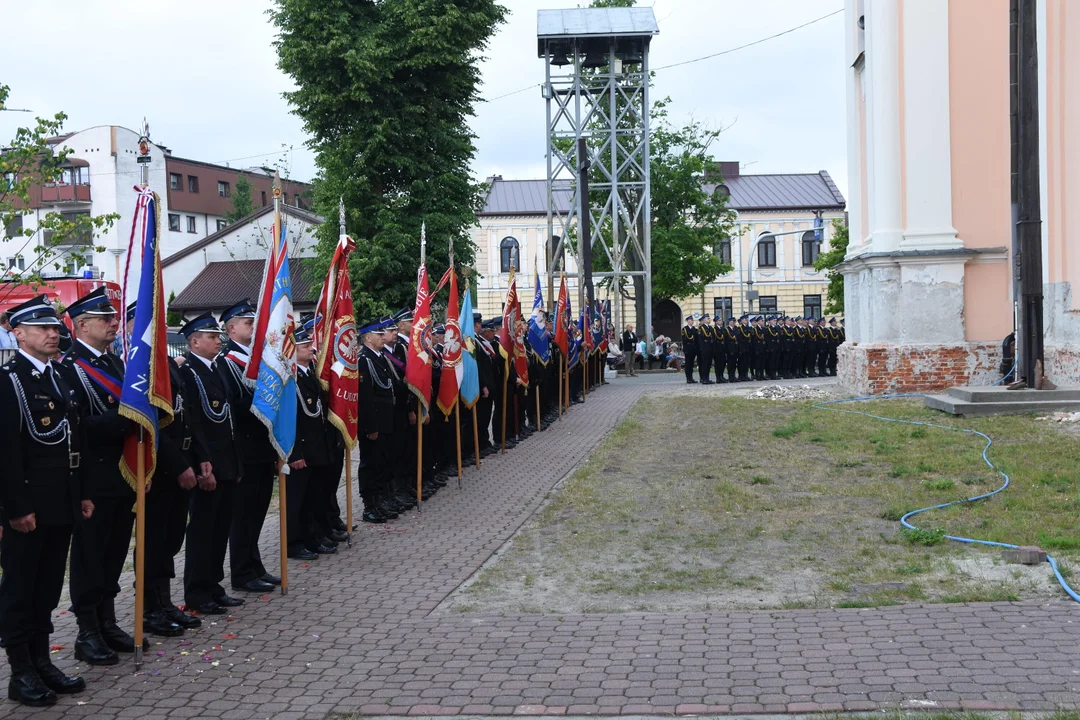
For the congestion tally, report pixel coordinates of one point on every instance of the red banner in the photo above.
(418, 365)
(561, 331)
(521, 358)
(451, 354)
(338, 344)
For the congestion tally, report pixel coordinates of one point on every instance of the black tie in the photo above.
(213, 367)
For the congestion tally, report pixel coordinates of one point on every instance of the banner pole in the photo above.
(348, 495)
(539, 422)
(517, 417)
(457, 431)
(585, 380)
(419, 457)
(504, 418)
(140, 549)
(283, 528)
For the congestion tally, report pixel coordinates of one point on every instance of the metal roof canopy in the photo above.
(593, 22)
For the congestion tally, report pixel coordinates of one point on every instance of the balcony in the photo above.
(64, 194)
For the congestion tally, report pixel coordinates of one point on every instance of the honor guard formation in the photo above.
(760, 348)
(62, 437)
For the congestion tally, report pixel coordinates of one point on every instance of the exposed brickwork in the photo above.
(1062, 363)
(875, 369)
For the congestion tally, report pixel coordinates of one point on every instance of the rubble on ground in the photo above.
(787, 392)
(1062, 417)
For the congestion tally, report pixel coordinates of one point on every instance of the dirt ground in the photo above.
(707, 501)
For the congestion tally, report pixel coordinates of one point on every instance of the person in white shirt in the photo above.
(7, 336)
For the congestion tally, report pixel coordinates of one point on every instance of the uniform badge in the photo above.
(214, 403)
(35, 374)
(46, 421)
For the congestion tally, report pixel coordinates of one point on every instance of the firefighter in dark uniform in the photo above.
(377, 389)
(811, 348)
(246, 569)
(743, 335)
(310, 461)
(705, 349)
(42, 496)
(788, 348)
(690, 348)
(731, 347)
(182, 456)
(207, 388)
(490, 346)
(719, 333)
(773, 342)
(485, 355)
(100, 544)
(825, 347)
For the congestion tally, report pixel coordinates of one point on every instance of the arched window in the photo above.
(766, 250)
(811, 248)
(509, 255)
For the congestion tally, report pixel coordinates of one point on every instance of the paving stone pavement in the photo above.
(357, 633)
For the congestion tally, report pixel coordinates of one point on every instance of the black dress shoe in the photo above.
(371, 517)
(208, 608)
(26, 685)
(341, 536)
(228, 601)
(92, 649)
(324, 550)
(181, 618)
(407, 501)
(304, 554)
(326, 542)
(272, 579)
(157, 622)
(51, 675)
(256, 585)
(488, 451)
(386, 511)
(436, 482)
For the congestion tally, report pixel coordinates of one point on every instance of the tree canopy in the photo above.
(828, 260)
(241, 200)
(386, 90)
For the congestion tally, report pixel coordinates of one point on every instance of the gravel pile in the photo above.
(1062, 417)
(787, 392)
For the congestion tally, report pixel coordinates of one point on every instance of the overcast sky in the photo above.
(204, 74)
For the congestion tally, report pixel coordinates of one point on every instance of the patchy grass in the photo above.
(789, 506)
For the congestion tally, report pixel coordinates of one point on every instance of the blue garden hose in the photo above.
(904, 520)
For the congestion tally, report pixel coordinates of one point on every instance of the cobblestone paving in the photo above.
(357, 633)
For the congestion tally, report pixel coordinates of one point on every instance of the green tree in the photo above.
(241, 200)
(828, 261)
(386, 90)
(27, 161)
(173, 318)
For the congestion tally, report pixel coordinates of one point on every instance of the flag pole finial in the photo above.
(341, 215)
(423, 242)
(277, 184)
(451, 251)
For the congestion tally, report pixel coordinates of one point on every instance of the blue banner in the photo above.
(469, 384)
(539, 333)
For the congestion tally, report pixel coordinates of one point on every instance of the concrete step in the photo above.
(1000, 394)
(955, 406)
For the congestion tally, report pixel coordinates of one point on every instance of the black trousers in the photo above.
(33, 565)
(297, 499)
(832, 360)
(210, 518)
(333, 508)
(252, 501)
(99, 547)
(374, 478)
(705, 361)
(485, 408)
(772, 363)
(810, 361)
(822, 361)
(315, 515)
(166, 521)
(732, 366)
(744, 365)
(797, 369)
(690, 355)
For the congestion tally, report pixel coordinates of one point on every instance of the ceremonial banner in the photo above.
(418, 364)
(575, 349)
(452, 368)
(521, 357)
(146, 397)
(272, 367)
(561, 325)
(470, 375)
(339, 345)
(539, 336)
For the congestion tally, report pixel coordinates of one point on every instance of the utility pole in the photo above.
(1029, 221)
(584, 221)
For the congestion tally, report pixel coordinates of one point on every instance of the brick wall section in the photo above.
(876, 369)
(1062, 363)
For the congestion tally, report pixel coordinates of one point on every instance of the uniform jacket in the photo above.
(377, 391)
(182, 444)
(211, 405)
(253, 436)
(689, 339)
(313, 436)
(37, 476)
(103, 428)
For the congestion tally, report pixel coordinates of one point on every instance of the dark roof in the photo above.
(211, 239)
(524, 197)
(221, 284)
(809, 191)
(788, 191)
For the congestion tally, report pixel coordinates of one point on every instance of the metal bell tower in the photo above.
(596, 88)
